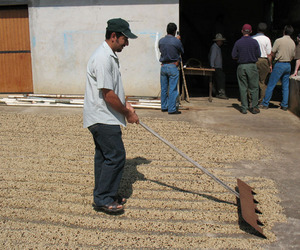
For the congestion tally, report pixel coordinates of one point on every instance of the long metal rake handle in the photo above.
(190, 160)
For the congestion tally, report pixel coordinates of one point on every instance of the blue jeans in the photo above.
(169, 75)
(109, 161)
(281, 71)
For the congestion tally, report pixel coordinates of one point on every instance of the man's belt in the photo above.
(176, 63)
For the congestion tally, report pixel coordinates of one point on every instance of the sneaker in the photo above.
(164, 110)
(254, 111)
(284, 108)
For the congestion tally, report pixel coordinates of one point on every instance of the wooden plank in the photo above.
(199, 71)
(185, 89)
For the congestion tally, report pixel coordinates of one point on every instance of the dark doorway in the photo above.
(201, 20)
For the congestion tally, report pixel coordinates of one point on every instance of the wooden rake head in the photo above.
(248, 207)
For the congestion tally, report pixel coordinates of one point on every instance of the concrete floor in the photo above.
(276, 129)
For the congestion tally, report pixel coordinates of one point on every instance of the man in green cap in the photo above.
(105, 109)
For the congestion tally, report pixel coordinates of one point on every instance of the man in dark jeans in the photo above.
(170, 48)
(246, 51)
(105, 109)
(216, 62)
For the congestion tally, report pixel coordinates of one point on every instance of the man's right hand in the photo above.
(132, 117)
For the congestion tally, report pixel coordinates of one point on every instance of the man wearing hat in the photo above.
(246, 51)
(215, 61)
(105, 109)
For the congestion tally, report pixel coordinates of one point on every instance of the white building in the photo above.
(64, 34)
(45, 44)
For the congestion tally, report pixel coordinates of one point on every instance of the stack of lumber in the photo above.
(144, 102)
(43, 100)
(55, 100)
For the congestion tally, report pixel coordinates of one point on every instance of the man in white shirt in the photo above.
(105, 109)
(264, 63)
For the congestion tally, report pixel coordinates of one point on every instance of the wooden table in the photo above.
(202, 72)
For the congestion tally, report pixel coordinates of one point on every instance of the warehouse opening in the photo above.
(201, 20)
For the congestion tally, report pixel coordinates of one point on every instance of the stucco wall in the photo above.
(63, 37)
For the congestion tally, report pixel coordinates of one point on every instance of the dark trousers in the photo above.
(219, 81)
(247, 75)
(109, 161)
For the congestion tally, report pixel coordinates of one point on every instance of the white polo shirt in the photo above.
(264, 44)
(102, 72)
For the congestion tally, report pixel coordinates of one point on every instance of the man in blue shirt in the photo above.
(170, 48)
(246, 51)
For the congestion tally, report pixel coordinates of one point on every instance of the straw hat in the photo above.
(219, 37)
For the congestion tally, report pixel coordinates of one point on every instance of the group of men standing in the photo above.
(254, 56)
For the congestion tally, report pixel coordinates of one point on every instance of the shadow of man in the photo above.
(131, 175)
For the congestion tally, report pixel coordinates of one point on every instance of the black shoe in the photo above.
(175, 113)
(164, 110)
(254, 111)
(113, 208)
(244, 111)
(284, 108)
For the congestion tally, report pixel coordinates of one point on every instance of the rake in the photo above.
(245, 195)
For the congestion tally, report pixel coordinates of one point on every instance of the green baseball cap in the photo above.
(120, 25)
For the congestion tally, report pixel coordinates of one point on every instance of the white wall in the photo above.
(64, 37)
